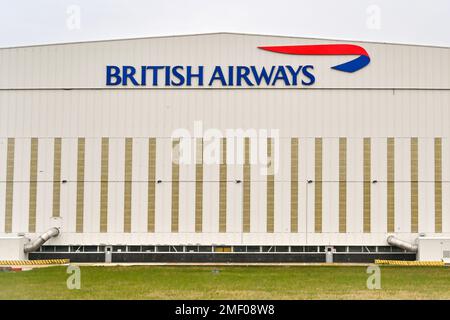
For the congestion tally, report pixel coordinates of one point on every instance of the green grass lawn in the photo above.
(233, 282)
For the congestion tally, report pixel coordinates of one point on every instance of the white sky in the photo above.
(26, 22)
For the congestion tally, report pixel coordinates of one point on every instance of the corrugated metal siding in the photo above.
(430, 124)
(82, 65)
(104, 162)
(305, 113)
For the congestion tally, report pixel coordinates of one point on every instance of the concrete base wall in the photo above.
(11, 248)
(433, 249)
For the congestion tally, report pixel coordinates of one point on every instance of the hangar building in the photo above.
(223, 146)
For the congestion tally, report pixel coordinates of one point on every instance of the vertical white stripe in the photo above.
(92, 177)
(69, 152)
(426, 185)
(355, 162)
(44, 199)
(139, 186)
(116, 184)
(3, 156)
(21, 185)
(330, 186)
(163, 196)
(378, 201)
(402, 185)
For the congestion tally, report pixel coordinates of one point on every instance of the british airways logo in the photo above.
(237, 75)
(328, 49)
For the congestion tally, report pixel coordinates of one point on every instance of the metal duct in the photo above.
(396, 242)
(39, 241)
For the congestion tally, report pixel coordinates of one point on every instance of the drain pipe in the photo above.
(39, 241)
(396, 242)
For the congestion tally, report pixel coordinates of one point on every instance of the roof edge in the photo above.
(225, 33)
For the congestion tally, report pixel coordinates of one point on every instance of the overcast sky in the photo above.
(27, 22)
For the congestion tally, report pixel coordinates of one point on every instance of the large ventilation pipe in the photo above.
(396, 242)
(39, 241)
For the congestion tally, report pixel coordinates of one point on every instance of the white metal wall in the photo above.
(207, 107)
(157, 113)
(82, 65)
(414, 103)
(282, 234)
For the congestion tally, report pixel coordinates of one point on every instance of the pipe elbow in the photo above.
(39, 241)
(396, 242)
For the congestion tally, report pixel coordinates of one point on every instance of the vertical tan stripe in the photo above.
(270, 191)
(246, 187)
(294, 185)
(151, 184)
(342, 185)
(80, 185)
(175, 184)
(223, 187)
(199, 186)
(57, 177)
(367, 186)
(104, 186)
(318, 185)
(438, 185)
(390, 185)
(414, 186)
(33, 185)
(128, 185)
(9, 185)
